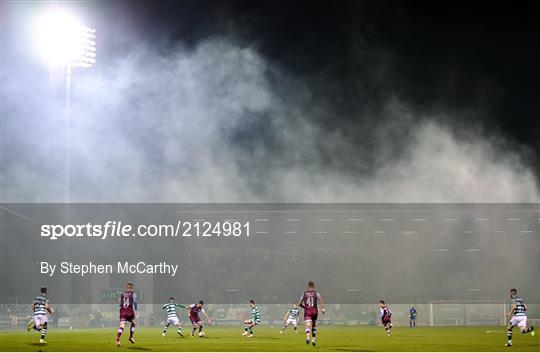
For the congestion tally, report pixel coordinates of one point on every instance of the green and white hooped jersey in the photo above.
(255, 313)
(40, 305)
(293, 314)
(170, 310)
(520, 306)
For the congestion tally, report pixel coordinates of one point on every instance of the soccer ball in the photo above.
(201, 334)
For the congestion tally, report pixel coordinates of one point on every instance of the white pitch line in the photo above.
(441, 250)
(261, 232)
(291, 232)
(419, 219)
(468, 232)
(379, 232)
(361, 219)
(324, 219)
(320, 232)
(473, 289)
(231, 290)
(450, 219)
(387, 219)
(498, 231)
(409, 232)
(481, 219)
(261, 219)
(512, 219)
(352, 290)
(471, 250)
(350, 232)
(293, 219)
(526, 231)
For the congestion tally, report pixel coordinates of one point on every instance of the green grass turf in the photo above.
(330, 338)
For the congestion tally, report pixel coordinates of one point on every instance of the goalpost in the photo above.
(467, 312)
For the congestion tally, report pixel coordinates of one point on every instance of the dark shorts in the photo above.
(310, 315)
(195, 319)
(386, 322)
(127, 315)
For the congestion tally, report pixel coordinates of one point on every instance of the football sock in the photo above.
(200, 328)
(509, 335)
(44, 331)
(307, 333)
(166, 327)
(527, 330)
(119, 333)
(131, 330)
(313, 335)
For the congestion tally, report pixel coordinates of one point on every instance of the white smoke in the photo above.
(219, 123)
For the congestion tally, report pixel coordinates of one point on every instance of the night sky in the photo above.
(479, 57)
(355, 93)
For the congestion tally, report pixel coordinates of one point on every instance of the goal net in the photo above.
(471, 312)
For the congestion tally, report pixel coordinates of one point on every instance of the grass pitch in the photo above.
(329, 338)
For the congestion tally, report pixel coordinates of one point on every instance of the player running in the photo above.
(386, 317)
(291, 317)
(254, 321)
(170, 310)
(128, 312)
(308, 301)
(412, 317)
(518, 316)
(193, 313)
(40, 307)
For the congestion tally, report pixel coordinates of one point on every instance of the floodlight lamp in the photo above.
(62, 40)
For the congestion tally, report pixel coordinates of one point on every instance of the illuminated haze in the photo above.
(218, 122)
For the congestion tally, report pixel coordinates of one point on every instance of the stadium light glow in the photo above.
(65, 44)
(63, 41)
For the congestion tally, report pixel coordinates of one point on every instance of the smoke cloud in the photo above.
(217, 121)
(220, 123)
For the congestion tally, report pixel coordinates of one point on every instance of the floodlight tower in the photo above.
(66, 44)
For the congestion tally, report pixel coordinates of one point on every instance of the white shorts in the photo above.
(292, 321)
(520, 321)
(173, 320)
(40, 319)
